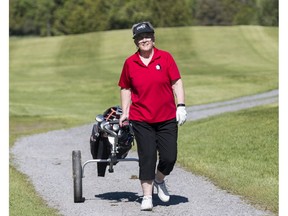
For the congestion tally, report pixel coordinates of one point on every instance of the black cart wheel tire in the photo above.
(77, 176)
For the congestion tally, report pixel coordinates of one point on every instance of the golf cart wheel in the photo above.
(77, 176)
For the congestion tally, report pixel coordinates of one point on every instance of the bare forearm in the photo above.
(179, 91)
(125, 101)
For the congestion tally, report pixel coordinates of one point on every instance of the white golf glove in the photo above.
(181, 115)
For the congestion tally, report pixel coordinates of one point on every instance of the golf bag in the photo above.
(109, 140)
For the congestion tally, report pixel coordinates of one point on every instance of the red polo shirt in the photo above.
(151, 86)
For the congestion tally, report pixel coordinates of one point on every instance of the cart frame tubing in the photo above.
(78, 172)
(105, 161)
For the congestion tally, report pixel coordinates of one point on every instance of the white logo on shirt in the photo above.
(158, 67)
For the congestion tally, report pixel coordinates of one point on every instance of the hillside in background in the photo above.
(67, 76)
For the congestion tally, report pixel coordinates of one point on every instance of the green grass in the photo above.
(220, 63)
(23, 198)
(64, 81)
(75, 77)
(237, 151)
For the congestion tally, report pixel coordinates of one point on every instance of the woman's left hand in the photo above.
(181, 115)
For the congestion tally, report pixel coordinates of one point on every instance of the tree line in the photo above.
(63, 17)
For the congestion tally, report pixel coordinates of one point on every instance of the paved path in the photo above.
(46, 159)
(207, 110)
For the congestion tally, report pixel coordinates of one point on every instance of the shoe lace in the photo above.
(147, 197)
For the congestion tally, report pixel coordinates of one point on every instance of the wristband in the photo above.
(180, 104)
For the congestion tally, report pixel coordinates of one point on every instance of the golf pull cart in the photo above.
(109, 144)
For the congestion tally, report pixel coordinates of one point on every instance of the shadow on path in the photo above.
(174, 200)
(124, 196)
(119, 196)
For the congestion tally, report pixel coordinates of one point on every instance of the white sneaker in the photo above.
(162, 191)
(146, 204)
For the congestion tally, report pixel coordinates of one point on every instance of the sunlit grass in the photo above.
(76, 76)
(238, 151)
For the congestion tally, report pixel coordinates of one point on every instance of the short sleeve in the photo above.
(124, 81)
(174, 73)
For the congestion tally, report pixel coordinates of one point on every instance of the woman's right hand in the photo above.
(123, 119)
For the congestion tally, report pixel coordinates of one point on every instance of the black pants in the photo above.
(150, 138)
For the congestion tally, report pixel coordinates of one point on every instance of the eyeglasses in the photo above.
(144, 40)
(147, 36)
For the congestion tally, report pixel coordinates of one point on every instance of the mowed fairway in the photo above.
(74, 77)
(64, 81)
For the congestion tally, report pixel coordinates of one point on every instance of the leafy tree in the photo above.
(167, 13)
(79, 16)
(45, 16)
(125, 13)
(225, 12)
(269, 13)
(70, 17)
(56, 17)
(244, 11)
(21, 17)
(209, 12)
(32, 17)
(246, 15)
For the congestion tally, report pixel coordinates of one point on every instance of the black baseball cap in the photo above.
(142, 27)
